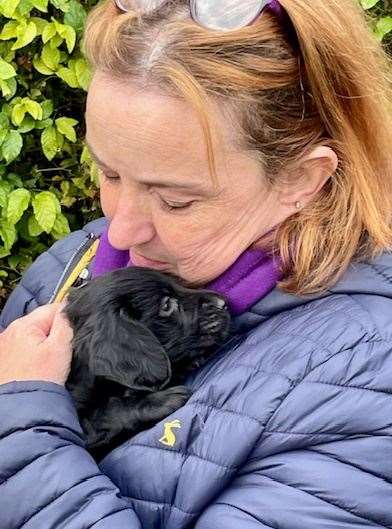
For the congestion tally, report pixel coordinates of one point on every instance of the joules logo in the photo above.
(168, 438)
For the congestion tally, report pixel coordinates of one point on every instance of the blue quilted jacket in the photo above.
(289, 425)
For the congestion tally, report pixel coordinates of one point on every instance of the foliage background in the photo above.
(48, 182)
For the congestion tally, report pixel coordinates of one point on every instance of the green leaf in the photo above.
(76, 16)
(43, 124)
(68, 76)
(26, 35)
(7, 233)
(60, 140)
(18, 113)
(70, 37)
(47, 108)
(27, 124)
(60, 227)
(383, 27)
(49, 32)
(83, 73)
(24, 7)
(49, 142)
(368, 4)
(46, 208)
(66, 127)
(12, 145)
(85, 157)
(4, 120)
(41, 67)
(41, 5)
(4, 252)
(6, 70)
(14, 179)
(13, 261)
(33, 108)
(5, 190)
(7, 7)
(33, 227)
(40, 24)
(9, 30)
(3, 134)
(12, 86)
(60, 4)
(55, 41)
(18, 202)
(50, 56)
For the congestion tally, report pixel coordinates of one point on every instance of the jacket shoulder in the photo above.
(40, 280)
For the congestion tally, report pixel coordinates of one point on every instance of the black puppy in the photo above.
(137, 331)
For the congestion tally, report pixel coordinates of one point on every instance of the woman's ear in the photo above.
(310, 175)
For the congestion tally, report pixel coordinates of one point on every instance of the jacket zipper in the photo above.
(75, 258)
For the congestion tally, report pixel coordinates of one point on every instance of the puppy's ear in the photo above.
(125, 351)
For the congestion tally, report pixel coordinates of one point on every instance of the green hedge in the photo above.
(47, 179)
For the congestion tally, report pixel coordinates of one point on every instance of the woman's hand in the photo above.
(37, 347)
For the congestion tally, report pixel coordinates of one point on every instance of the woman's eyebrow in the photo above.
(156, 183)
(95, 157)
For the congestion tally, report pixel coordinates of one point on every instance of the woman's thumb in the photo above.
(61, 330)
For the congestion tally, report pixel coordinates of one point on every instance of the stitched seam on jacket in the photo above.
(380, 273)
(163, 504)
(41, 508)
(348, 435)
(54, 256)
(226, 410)
(254, 517)
(36, 459)
(344, 386)
(258, 370)
(329, 502)
(45, 425)
(184, 455)
(327, 311)
(366, 312)
(110, 514)
(19, 392)
(349, 464)
(293, 387)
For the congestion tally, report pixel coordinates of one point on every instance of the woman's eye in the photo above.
(175, 205)
(112, 178)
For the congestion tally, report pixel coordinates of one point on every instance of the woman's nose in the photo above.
(131, 223)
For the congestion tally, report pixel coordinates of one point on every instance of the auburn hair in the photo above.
(318, 78)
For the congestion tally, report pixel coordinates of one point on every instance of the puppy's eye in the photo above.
(168, 306)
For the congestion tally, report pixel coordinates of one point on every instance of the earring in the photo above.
(298, 205)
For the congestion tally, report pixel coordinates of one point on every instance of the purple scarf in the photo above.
(252, 276)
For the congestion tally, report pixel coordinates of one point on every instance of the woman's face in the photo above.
(156, 188)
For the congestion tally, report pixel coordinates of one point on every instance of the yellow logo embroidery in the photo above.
(168, 437)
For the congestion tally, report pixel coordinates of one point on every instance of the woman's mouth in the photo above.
(140, 260)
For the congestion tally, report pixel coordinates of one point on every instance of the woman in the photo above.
(248, 150)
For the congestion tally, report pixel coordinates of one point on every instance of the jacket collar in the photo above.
(371, 278)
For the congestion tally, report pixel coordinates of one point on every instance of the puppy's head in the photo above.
(186, 321)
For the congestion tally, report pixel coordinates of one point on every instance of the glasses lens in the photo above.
(226, 15)
(144, 6)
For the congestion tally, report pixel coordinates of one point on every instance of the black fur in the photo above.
(137, 333)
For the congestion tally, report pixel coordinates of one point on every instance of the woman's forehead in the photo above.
(156, 132)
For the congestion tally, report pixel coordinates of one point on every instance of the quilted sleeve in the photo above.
(324, 458)
(47, 479)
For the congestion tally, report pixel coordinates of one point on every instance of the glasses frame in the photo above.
(272, 5)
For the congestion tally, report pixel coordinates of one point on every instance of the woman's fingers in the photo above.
(61, 331)
(42, 318)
